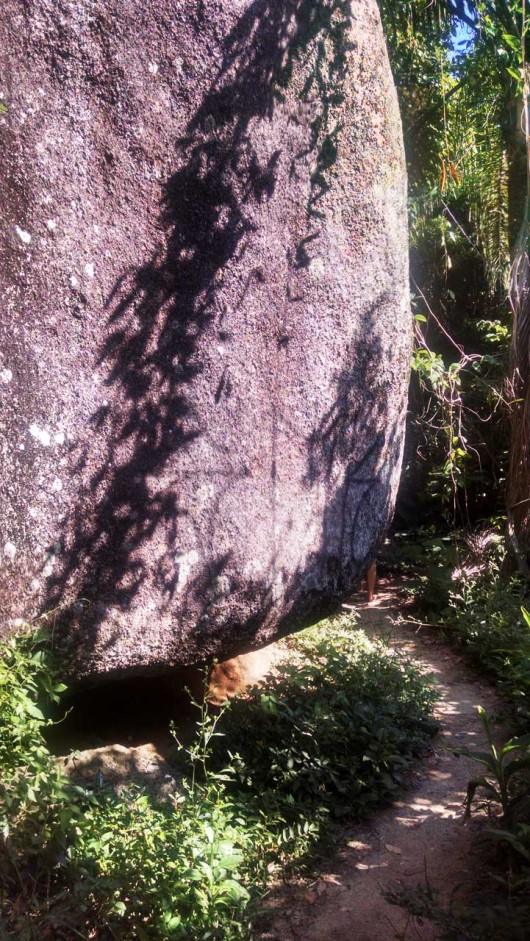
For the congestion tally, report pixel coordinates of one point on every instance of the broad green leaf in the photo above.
(34, 711)
(233, 889)
(512, 41)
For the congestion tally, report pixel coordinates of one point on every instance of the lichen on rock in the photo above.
(216, 323)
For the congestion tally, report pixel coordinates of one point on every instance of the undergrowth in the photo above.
(462, 587)
(330, 737)
(477, 606)
(336, 727)
(485, 615)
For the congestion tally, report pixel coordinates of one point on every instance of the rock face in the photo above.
(204, 335)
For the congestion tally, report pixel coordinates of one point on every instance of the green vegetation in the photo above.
(462, 589)
(328, 739)
(463, 82)
(466, 152)
(500, 908)
(461, 585)
(505, 767)
(268, 779)
(335, 728)
(486, 616)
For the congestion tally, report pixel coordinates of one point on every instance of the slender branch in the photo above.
(519, 503)
(463, 231)
(436, 319)
(428, 111)
(514, 542)
(461, 15)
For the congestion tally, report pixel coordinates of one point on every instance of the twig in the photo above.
(419, 623)
(437, 320)
(519, 503)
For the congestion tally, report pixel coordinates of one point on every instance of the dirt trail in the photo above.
(422, 834)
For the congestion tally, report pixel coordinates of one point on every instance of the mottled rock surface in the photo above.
(204, 333)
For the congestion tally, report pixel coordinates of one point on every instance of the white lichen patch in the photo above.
(89, 269)
(317, 268)
(51, 225)
(40, 435)
(277, 587)
(6, 376)
(24, 237)
(57, 485)
(185, 562)
(50, 558)
(152, 68)
(74, 282)
(203, 495)
(59, 437)
(223, 585)
(10, 551)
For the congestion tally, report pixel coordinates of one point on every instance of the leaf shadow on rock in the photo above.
(353, 439)
(160, 315)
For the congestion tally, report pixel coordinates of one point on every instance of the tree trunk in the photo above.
(518, 495)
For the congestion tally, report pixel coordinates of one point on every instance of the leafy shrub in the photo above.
(485, 615)
(335, 731)
(463, 587)
(335, 728)
(505, 770)
(429, 558)
(32, 788)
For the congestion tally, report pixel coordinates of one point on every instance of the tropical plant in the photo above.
(86, 862)
(503, 765)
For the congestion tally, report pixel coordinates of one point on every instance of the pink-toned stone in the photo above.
(204, 332)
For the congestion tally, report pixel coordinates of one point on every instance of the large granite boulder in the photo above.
(204, 336)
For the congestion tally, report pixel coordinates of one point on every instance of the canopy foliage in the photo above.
(462, 80)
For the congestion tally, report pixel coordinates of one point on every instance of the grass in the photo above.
(330, 738)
